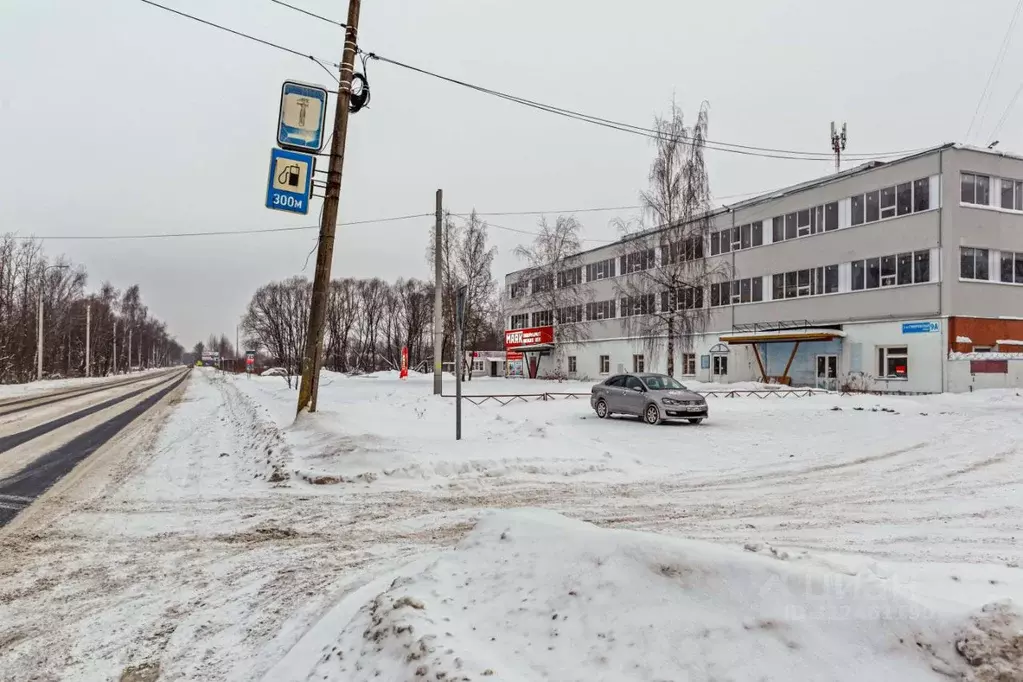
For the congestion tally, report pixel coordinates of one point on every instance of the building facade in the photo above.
(905, 276)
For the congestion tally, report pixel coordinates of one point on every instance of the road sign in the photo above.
(287, 188)
(303, 115)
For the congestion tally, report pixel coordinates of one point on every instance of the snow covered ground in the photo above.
(11, 391)
(817, 538)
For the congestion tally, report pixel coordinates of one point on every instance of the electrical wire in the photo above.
(996, 69)
(749, 150)
(321, 62)
(1005, 114)
(221, 233)
(311, 14)
(601, 209)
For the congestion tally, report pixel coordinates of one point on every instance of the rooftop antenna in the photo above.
(837, 145)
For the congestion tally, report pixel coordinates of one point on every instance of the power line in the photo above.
(1005, 114)
(311, 14)
(594, 210)
(221, 233)
(261, 41)
(996, 67)
(735, 148)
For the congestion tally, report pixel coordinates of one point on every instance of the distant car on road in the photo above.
(653, 397)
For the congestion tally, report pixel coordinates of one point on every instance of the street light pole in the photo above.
(39, 339)
(88, 330)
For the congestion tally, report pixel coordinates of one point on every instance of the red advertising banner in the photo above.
(513, 338)
(404, 362)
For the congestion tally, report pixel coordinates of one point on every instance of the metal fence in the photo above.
(508, 398)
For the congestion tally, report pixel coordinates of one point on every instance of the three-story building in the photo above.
(905, 276)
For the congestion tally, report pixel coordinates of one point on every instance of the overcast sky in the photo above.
(119, 118)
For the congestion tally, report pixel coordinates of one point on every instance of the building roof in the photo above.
(803, 186)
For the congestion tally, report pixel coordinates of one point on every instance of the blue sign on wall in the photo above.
(704, 362)
(302, 117)
(919, 327)
(287, 188)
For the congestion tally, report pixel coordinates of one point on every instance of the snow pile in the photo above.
(1009, 342)
(964, 339)
(955, 355)
(532, 595)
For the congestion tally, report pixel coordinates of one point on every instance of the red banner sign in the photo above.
(513, 338)
(404, 363)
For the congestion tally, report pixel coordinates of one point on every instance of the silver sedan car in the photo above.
(654, 397)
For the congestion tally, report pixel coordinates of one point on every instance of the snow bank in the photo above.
(532, 595)
(985, 356)
(964, 339)
(1009, 342)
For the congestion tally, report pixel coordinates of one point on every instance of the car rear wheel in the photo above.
(602, 409)
(695, 421)
(652, 416)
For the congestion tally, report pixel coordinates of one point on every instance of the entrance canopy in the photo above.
(791, 332)
(781, 336)
(534, 348)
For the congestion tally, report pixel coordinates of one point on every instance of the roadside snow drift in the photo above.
(532, 595)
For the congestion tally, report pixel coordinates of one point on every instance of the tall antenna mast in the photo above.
(837, 145)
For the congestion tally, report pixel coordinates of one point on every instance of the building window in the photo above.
(749, 290)
(893, 362)
(687, 249)
(570, 277)
(689, 364)
(804, 223)
(921, 194)
(571, 364)
(517, 289)
(982, 349)
(477, 365)
(904, 197)
(800, 283)
(973, 263)
(605, 364)
(605, 269)
(873, 204)
(912, 267)
(643, 304)
(543, 318)
(976, 189)
(720, 365)
(1012, 194)
(520, 321)
(637, 261)
(888, 202)
(687, 298)
(543, 283)
(1012, 267)
(857, 210)
(570, 314)
(601, 310)
(638, 364)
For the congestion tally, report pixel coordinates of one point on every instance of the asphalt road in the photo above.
(20, 489)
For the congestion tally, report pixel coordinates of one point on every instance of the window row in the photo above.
(749, 290)
(637, 261)
(888, 202)
(570, 277)
(686, 298)
(978, 189)
(600, 310)
(644, 304)
(799, 283)
(519, 321)
(570, 314)
(911, 267)
(809, 221)
(687, 249)
(604, 269)
(543, 318)
(638, 364)
(737, 238)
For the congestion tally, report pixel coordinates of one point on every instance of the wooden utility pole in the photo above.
(438, 297)
(88, 338)
(309, 389)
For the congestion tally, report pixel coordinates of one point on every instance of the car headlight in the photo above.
(670, 401)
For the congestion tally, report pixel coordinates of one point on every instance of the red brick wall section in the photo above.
(983, 332)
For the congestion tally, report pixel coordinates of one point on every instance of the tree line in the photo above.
(369, 321)
(29, 279)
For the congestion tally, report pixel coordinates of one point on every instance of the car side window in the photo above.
(615, 381)
(633, 383)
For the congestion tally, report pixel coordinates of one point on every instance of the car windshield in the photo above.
(662, 382)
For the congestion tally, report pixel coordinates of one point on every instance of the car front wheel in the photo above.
(652, 416)
(602, 409)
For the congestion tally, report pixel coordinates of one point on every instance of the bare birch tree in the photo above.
(664, 296)
(555, 277)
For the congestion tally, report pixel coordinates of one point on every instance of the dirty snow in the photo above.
(964, 339)
(229, 542)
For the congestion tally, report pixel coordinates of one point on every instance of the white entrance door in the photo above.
(827, 372)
